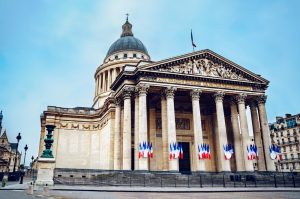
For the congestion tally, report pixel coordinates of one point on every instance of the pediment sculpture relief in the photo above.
(204, 67)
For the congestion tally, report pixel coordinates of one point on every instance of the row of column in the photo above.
(105, 79)
(241, 141)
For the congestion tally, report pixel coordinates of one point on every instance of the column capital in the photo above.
(241, 98)
(195, 94)
(118, 101)
(142, 89)
(127, 91)
(261, 99)
(170, 92)
(219, 96)
(252, 104)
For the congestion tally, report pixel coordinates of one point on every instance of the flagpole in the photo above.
(192, 40)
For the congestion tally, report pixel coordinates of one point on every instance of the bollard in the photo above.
(46, 190)
(30, 189)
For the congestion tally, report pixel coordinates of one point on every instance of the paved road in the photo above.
(137, 195)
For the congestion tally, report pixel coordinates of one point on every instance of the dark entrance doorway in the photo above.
(185, 163)
(132, 159)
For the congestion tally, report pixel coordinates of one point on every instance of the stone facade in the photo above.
(8, 154)
(196, 98)
(285, 133)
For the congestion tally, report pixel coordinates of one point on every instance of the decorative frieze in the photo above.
(204, 67)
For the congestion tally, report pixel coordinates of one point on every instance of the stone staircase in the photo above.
(166, 179)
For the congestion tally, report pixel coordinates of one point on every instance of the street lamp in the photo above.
(18, 138)
(25, 148)
(32, 158)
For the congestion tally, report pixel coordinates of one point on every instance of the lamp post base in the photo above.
(45, 171)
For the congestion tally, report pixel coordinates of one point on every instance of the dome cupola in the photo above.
(127, 46)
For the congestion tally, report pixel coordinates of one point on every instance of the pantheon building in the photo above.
(190, 100)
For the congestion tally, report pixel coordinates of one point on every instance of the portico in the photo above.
(186, 115)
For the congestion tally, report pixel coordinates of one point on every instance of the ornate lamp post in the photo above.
(47, 153)
(32, 158)
(18, 139)
(25, 148)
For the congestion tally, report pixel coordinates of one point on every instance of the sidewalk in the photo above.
(151, 189)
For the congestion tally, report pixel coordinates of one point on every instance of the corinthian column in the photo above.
(136, 130)
(117, 137)
(103, 82)
(164, 132)
(171, 126)
(108, 79)
(261, 100)
(221, 138)
(142, 89)
(245, 132)
(236, 137)
(198, 135)
(257, 137)
(127, 128)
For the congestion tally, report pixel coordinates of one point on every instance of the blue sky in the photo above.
(49, 50)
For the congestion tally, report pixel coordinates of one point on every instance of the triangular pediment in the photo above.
(204, 63)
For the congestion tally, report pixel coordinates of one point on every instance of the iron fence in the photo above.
(157, 179)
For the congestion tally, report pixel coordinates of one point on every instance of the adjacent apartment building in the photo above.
(285, 133)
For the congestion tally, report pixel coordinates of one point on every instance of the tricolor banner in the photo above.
(228, 151)
(176, 151)
(203, 151)
(275, 152)
(252, 152)
(145, 150)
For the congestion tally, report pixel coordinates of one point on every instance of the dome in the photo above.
(127, 42)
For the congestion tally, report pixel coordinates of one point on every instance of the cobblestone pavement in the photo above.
(138, 195)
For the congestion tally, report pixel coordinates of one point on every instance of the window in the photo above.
(291, 148)
(278, 142)
(116, 57)
(291, 123)
(294, 131)
(292, 156)
(283, 149)
(134, 55)
(288, 133)
(289, 140)
(142, 56)
(125, 56)
(281, 133)
(282, 141)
